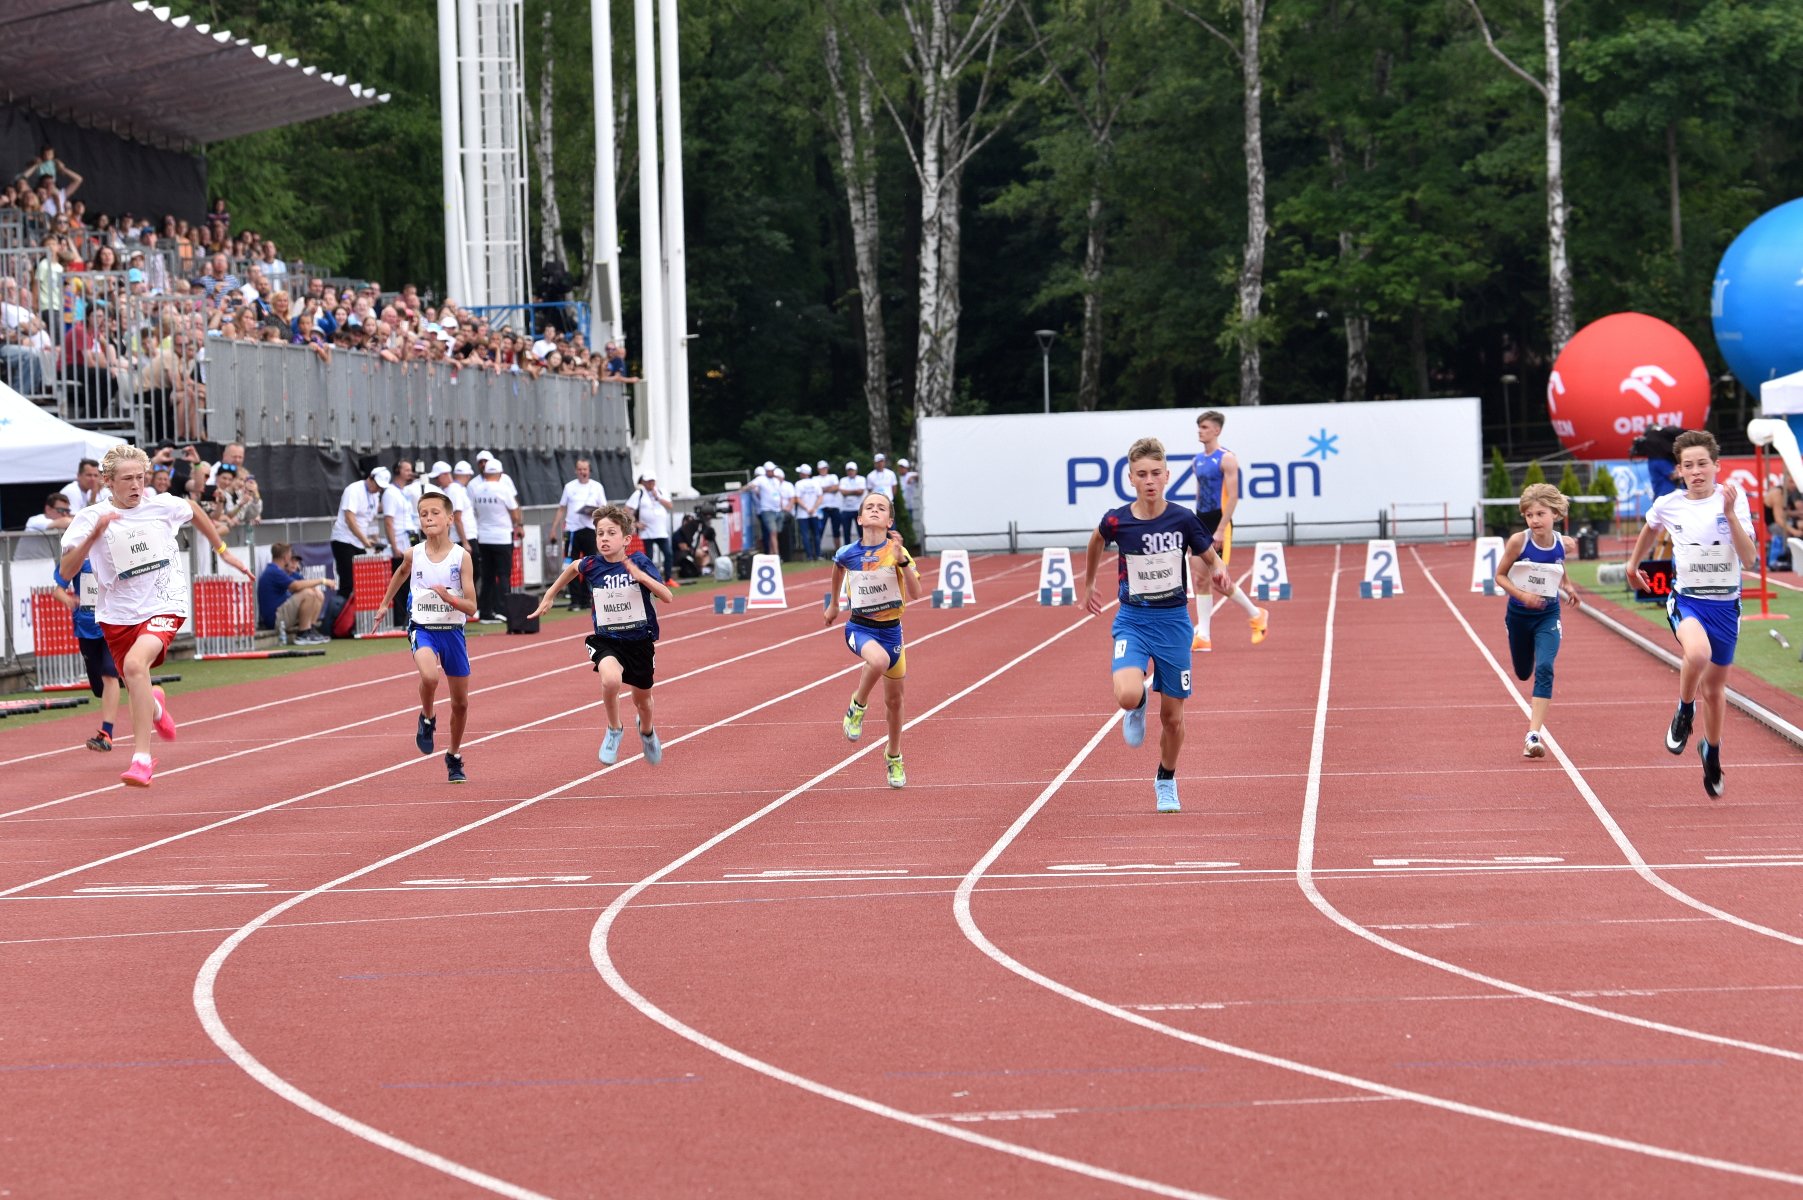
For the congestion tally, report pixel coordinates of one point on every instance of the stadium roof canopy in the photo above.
(134, 69)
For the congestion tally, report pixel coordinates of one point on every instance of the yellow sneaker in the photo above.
(1200, 643)
(897, 776)
(1259, 624)
(853, 725)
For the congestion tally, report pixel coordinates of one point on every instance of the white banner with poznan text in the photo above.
(1331, 468)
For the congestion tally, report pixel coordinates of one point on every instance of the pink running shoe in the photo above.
(138, 774)
(165, 724)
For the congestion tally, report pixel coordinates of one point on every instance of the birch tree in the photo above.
(1558, 265)
(941, 50)
(1245, 50)
(854, 129)
(544, 151)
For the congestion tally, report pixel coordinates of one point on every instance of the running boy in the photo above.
(1154, 536)
(440, 579)
(103, 676)
(1708, 524)
(1532, 571)
(879, 577)
(624, 644)
(1217, 495)
(143, 590)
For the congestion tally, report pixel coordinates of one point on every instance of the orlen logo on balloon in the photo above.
(1641, 382)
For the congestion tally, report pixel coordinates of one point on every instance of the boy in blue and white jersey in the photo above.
(441, 581)
(1217, 474)
(1153, 626)
(624, 644)
(1708, 524)
(79, 594)
(1532, 572)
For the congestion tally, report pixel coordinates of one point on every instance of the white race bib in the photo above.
(1155, 576)
(620, 607)
(873, 591)
(137, 549)
(90, 590)
(1712, 569)
(1537, 578)
(430, 609)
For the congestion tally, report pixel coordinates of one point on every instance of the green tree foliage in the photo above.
(1535, 474)
(1405, 192)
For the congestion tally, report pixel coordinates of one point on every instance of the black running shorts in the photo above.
(636, 657)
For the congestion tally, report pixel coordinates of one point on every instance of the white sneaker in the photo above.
(1533, 747)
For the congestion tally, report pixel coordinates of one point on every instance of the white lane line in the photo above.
(260, 747)
(125, 739)
(602, 957)
(377, 773)
(1603, 815)
(1305, 879)
(961, 908)
(206, 982)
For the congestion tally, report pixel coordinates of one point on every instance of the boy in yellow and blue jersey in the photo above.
(880, 578)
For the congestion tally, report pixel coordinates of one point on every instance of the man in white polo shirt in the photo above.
(360, 519)
(881, 478)
(807, 510)
(497, 523)
(650, 510)
(397, 504)
(575, 521)
(829, 503)
(851, 497)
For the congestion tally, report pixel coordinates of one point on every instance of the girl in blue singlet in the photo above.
(1532, 572)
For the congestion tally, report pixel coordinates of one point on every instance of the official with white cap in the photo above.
(881, 478)
(770, 509)
(852, 487)
(358, 522)
(910, 490)
(807, 510)
(575, 522)
(651, 513)
(498, 523)
(829, 502)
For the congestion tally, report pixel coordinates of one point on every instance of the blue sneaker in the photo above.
(1167, 795)
(422, 737)
(1133, 725)
(651, 747)
(610, 745)
(453, 765)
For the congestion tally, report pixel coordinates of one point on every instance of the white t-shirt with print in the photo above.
(881, 479)
(493, 500)
(137, 561)
(1707, 563)
(647, 508)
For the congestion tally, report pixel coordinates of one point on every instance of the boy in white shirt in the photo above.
(143, 590)
(1708, 523)
(829, 503)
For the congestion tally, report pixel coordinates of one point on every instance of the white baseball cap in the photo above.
(779, 473)
(462, 468)
(804, 469)
(381, 476)
(491, 466)
(821, 465)
(769, 466)
(901, 462)
(881, 457)
(439, 467)
(760, 470)
(482, 455)
(851, 466)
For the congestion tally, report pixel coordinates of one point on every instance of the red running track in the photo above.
(1378, 953)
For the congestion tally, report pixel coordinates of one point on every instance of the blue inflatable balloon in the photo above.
(1757, 305)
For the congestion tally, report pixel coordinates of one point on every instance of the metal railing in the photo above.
(263, 394)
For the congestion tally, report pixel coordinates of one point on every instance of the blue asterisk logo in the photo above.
(1323, 444)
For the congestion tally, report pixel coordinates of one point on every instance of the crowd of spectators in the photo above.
(119, 308)
(785, 516)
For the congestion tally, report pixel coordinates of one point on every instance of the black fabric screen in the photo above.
(117, 176)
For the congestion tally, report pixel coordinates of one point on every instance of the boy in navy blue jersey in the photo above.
(1155, 538)
(103, 677)
(623, 646)
(1532, 572)
(880, 578)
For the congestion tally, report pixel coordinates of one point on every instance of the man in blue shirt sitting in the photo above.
(287, 601)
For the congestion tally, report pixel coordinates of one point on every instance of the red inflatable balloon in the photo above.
(1618, 376)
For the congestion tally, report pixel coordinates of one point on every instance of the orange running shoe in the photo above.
(1259, 624)
(1201, 644)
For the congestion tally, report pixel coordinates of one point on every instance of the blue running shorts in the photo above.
(888, 636)
(1160, 634)
(1720, 619)
(447, 643)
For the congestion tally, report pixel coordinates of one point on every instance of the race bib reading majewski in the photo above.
(1155, 576)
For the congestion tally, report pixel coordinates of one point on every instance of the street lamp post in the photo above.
(1508, 415)
(1046, 337)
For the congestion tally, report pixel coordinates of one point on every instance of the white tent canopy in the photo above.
(1782, 396)
(38, 447)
